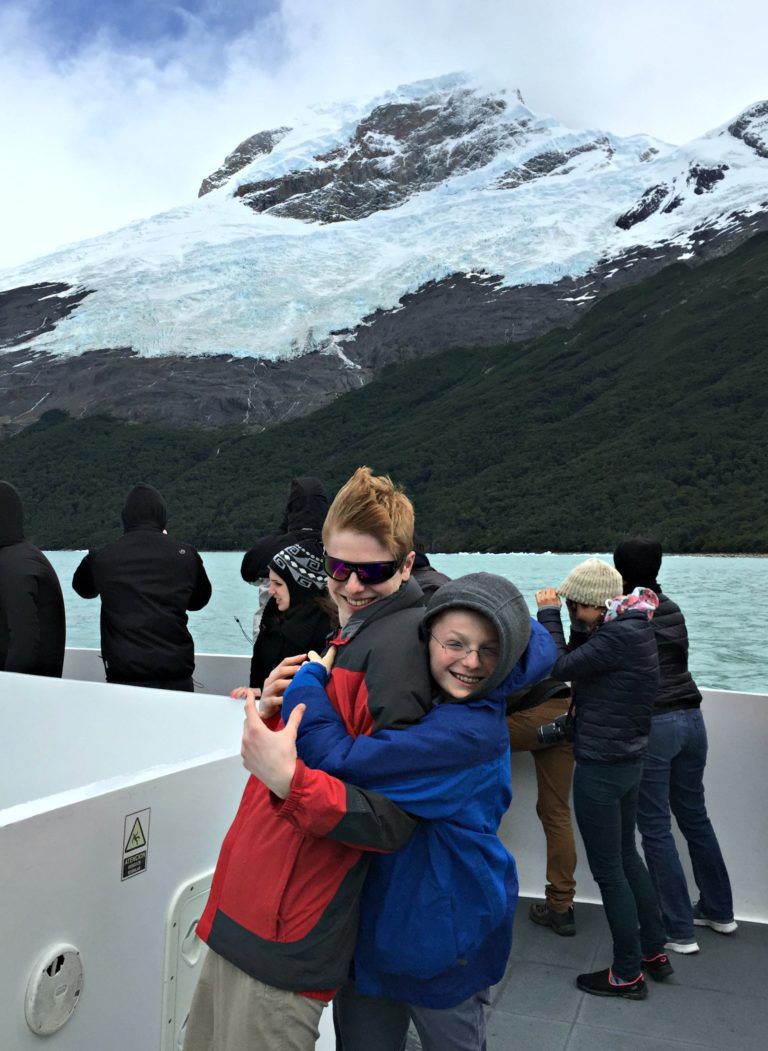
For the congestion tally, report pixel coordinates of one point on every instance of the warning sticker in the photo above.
(135, 844)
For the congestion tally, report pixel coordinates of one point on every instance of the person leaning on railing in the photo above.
(614, 675)
(672, 781)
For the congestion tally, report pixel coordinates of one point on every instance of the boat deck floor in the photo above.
(714, 1000)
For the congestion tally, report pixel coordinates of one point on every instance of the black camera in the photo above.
(560, 729)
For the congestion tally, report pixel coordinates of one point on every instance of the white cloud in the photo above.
(105, 137)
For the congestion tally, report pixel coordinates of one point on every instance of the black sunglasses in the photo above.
(366, 572)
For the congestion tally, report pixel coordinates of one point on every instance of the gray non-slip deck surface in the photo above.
(715, 1000)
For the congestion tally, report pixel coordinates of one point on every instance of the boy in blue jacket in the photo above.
(436, 917)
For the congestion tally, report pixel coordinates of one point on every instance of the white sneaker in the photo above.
(685, 947)
(727, 927)
(700, 919)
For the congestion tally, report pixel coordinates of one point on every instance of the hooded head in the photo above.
(144, 509)
(11, 515)
(301, 567)
(497, 599)
(591, 583)
(639, 561)
(307, 505)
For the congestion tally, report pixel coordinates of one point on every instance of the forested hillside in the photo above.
(649, 416)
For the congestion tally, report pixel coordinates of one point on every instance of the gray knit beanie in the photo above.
(501, 602)
(592, 583)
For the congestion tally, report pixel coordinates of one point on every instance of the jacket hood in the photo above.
(500, 601)
(639, 561)
(307, 505)
(534, 666)
(11, 515)
(144, 509)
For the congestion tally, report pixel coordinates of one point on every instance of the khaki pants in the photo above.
(233, 1012)
(554, 773)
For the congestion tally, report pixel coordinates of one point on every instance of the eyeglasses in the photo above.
(458, 649)
(367, 572)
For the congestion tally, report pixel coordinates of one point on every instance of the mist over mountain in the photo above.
(441, 215)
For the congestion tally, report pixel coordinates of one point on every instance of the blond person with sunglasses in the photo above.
(281, 919)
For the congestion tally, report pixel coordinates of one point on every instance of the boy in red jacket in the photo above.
(281, 919)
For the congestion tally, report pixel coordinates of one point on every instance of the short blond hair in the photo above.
(374, 505)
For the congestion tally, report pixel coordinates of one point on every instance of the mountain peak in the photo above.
(405, 142)
(444, 213)
(250, 148)
(751, 126)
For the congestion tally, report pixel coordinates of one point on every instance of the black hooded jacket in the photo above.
(639, 561)
(32, 622)
(614, 675)
(302, 522)
(147, 581)
(676, 687)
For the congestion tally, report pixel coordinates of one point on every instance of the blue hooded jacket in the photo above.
(436, 916)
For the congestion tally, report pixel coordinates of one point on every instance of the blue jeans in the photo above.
(605, 805)
(672, 784)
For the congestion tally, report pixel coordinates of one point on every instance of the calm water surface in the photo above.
(723, 599)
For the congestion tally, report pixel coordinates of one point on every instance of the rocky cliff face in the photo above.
(399, 149)
(440, 216)
(752, 128)
(254, 146)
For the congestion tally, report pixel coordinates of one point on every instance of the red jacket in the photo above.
(283, 905)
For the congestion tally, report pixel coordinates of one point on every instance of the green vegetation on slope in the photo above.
(649, 416)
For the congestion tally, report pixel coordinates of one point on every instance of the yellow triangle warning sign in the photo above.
(136, 838)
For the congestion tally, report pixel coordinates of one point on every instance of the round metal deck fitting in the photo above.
(53, 989)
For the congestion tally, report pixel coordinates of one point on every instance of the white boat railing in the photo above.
(83, 760)
(736, 785)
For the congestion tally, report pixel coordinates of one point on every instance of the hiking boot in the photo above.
(603, 983)
(560, 922)
(721, 926)
(657, 967)
(682, 945)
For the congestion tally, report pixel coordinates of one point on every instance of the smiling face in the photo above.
(457, 672)
(350, 595)
(278, 589)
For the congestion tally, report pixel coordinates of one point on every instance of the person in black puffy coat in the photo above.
(674, 770)
(612, 664)
(147, 581)
(32, 622)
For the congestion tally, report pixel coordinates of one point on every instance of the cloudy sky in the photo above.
(111, 110)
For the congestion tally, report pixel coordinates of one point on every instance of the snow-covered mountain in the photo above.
(443, 213)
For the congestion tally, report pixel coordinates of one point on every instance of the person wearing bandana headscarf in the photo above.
(32, 621)
(613, 667)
